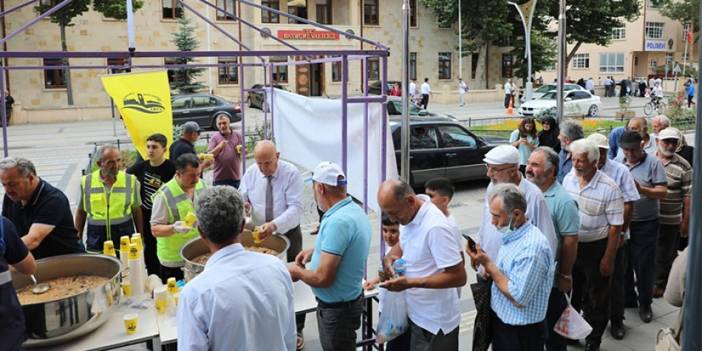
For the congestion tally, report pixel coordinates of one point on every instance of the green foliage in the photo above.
(624, 103)
(685, 11)
(109, 8)
(543, 54)
(184, 79)
(678, 112)
(116, 9)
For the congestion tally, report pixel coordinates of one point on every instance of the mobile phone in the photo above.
(471, 242)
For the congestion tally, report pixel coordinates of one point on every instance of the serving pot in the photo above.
(197, 247)
(76, 315)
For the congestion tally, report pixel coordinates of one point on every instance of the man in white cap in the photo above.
(503, 167)
(336, 266)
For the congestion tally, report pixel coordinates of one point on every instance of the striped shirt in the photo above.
(526, 260)
(679, 174)
(600, 203)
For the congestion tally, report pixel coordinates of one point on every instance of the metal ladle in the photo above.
(39, 288)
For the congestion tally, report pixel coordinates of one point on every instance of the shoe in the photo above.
(617, 330)
(658, 292)
(592, 346)
(573, 342)
(645, 313)
(300, 341)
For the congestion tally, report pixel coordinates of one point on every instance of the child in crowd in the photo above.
(440, 191)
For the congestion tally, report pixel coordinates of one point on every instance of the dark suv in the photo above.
(441, 147)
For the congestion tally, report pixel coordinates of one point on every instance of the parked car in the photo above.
(441, 147)
(204, 109)
(255, 98)
(374, 87)
(577, 102)
(395, 109)
(542, 90)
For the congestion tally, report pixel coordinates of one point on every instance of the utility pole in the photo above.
(405, 131)
(561, 59)
(526, 21)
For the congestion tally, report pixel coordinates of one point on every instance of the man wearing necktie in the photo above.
(273, 190)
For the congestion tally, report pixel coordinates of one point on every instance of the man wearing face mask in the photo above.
(570, 132)
(110, 201)
(601, 206)
(675, 207)
(522, 273)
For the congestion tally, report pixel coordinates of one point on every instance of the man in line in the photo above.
(337, 262)
(110, 201)
(651, 182)
(260, 317)
(171, 205)
(522, 273)
(152, 173)
(570, 132)
(39, 211)
(426, 92)
(622, 177)
(542, 169)
(186, 143)
(462, 90)
(434, 267)
(226, 147)
(675, 207)
(601, 208)
(272, 189)
(659, 123)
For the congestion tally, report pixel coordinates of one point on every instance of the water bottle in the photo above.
(399, 265)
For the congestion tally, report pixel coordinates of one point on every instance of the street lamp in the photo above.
(460, 42)
(527, 37)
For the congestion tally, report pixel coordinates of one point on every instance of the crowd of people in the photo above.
(593, 222)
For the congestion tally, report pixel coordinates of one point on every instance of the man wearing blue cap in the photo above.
(335, 267)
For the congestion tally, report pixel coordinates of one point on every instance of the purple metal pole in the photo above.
(365, 136)
(3, 111)
(270, 106)
(243, 119)
(272, 137)
(265, 114)
(35, 20)
(383, 139)
(344, 114)
(212, 53)
(2, 14)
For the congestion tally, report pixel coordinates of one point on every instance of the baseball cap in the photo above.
(502, 155)
(191, 127)
(328, 173)
(669, 133)
(599, 139)
(630, 140)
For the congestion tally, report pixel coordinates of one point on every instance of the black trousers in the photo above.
(337, 324)
(528, 337)
(556, 304)
(295, 237)
(508, 98)
(425, 101)
(593, 289)
(642, 256)
(617, 294)
(150, 259)
(666, 251)
(170, 272)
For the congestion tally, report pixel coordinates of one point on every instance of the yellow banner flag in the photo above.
(144, 101)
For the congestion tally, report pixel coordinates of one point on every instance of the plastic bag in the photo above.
(393, 319)
(571, 324)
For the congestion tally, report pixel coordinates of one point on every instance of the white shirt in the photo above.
(658, 82)
(658, 91)
(287, 195)
(651, 83)
(508, 88)
(429, 246)
(537, 213)
(413, 88)
(462, 87)
(590, 85)
(623, 178)
(426, 88)
(242, 301)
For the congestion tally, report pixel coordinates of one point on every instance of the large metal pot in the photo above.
(197, 247)
(53, 319)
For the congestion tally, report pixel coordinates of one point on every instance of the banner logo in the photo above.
(146, 103)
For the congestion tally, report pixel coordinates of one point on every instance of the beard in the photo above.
(666, 152)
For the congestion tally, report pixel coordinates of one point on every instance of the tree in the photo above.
(544, 52)
(685, 11)
(64, 18)
(184, 78)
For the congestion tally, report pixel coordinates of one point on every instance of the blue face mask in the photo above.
(506, 229)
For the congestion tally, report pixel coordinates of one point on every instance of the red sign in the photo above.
(307, 34)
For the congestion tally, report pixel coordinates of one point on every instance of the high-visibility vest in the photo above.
(178, 205)
(108, 207)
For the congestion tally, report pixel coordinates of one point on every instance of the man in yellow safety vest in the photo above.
(110, 201)
(171, 206)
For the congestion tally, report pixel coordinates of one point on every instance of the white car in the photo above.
(542, 90)
(577, 102)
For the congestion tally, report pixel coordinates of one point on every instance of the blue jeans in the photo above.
(97, 235)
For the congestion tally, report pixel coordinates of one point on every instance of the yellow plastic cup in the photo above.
(161, 299)
(172, 285)
(108, 248)
(238, 149)
(126, 288)
(131, 320)
(133, 251)
(256, 235)
(136, 238)
(190, 219)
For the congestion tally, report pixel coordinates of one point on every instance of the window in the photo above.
(686, 29)
(654, 30)
(118, 62)
(443, 24)
(297, 8)
(581, 61)
(373, 72)
(454, 136)
(181, 103)
(652, 64)
(444, 65)
(414, 13)
(172, 9)
(507, 65)
(47, 4)
(203, 101)
(228, 7)
(371, 8)
(618, 33)
(280, 73)
(474, 59)
(423, 138)
(54, 78)
(324, 11)
(228, 74)
(611, 62)
(413, 66)
(267, 16)
(336, 71)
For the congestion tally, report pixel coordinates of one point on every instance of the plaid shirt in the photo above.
(525, 258)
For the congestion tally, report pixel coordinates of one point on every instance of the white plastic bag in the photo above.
(393, 319)
(571, 324)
